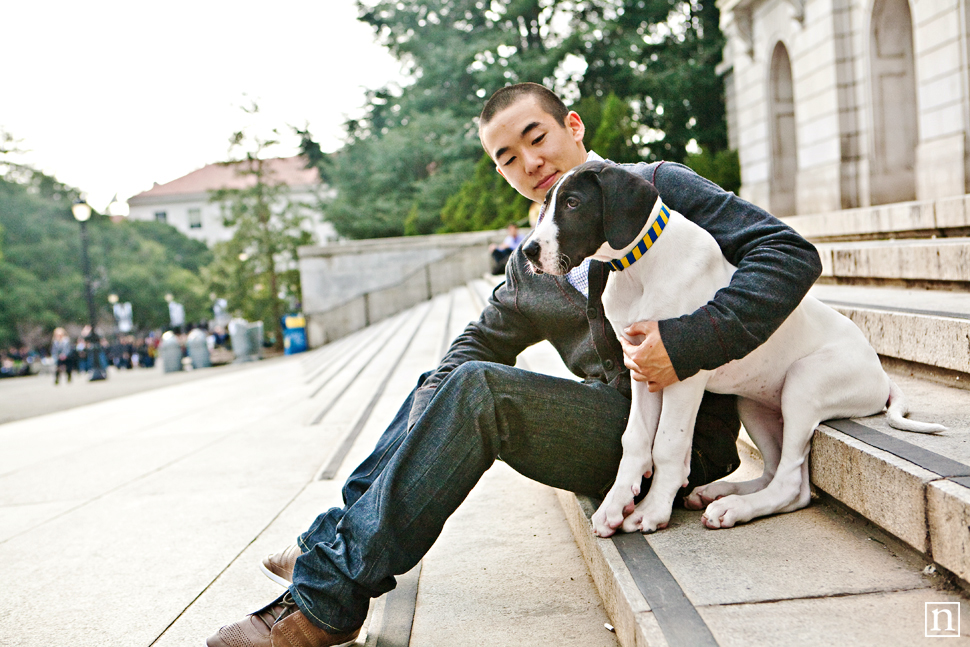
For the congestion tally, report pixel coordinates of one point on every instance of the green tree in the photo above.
(267, 230)
(398, 183)
(591, 110)
(233, 277)
(614, 133)
(661, 58)
(646, 68)
(486, 201)
(723, 167)
(456, 52)
(144, 261)
(417, 145)
(41, 283)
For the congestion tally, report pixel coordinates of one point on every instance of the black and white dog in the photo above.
(817, 366)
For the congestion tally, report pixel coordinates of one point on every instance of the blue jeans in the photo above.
(559, 432)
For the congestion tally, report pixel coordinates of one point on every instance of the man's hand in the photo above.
(648, 361)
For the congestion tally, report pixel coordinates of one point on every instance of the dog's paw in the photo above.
(696, 500)
(604, 525)
(602, 531)
(701, 497)
(646, 520)
(726, 512)
(611, 513)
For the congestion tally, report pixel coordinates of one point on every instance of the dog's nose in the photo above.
(531, 250)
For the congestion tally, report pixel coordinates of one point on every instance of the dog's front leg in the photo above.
(671, 454)
(636, 462)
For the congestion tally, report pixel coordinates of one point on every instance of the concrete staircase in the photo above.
(882, 545)
(140, 521)
(910, 294)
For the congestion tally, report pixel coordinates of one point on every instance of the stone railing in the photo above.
(350, 285)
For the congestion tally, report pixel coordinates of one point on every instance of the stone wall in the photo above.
(879, 90)
(351, 285)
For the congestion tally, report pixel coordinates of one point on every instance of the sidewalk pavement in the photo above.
(37, 395)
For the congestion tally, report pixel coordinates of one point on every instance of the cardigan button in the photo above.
(591, 313)
(608, 365)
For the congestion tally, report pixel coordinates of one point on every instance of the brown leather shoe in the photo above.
(279, 566)
(279, 624)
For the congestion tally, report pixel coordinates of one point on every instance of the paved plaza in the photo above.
(37, 395)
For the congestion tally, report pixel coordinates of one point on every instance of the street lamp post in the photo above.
(82, 212)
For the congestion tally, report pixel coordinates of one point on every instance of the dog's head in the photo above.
(596, 209)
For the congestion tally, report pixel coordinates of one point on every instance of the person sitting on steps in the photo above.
(502, 251)
(475, 407)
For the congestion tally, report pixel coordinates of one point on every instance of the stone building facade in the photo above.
(838, 104)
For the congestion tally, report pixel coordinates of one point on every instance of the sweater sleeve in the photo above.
(775, 269)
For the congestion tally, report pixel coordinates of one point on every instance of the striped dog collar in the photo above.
(645, 243)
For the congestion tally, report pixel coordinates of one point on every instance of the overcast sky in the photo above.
(110, 96)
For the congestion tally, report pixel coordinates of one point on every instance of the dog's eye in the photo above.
(572, 203)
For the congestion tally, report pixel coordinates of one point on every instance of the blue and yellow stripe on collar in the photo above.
(645, 243)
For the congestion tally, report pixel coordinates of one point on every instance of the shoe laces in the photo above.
(273, 613)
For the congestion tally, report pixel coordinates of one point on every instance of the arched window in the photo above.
(892, 161)
(784, 160)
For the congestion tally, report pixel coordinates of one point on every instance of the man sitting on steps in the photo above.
(476, 408)
(502, 252)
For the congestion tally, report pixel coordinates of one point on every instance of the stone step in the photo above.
(817, 576)
(929, 328)
(873, 481)
(141, 520)
(942, 217)
(459, 594)
(943, 262)
(897, 531)
(172, 496)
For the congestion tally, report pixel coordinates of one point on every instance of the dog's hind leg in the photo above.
(764, 425)
(811, 393)
(830, 383)
(787, 491)
(636, 462)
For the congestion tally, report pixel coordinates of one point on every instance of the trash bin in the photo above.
(247, 340)
(239, 340)
(254, 333)
(294, 334)
(198, 349)
(170, 352)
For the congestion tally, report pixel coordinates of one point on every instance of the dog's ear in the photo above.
(628, 200)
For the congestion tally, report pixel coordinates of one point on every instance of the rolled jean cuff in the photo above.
(315, 619)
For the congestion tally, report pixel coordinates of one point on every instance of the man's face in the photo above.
(530, 149)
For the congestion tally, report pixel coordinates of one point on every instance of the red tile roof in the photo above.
(285, 170)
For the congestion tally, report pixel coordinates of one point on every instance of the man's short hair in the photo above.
(548, 100)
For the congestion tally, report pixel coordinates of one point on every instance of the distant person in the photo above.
(502, 252)
(81, 351)
(63, 354)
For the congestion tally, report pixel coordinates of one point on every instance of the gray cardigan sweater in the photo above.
(776, 267)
